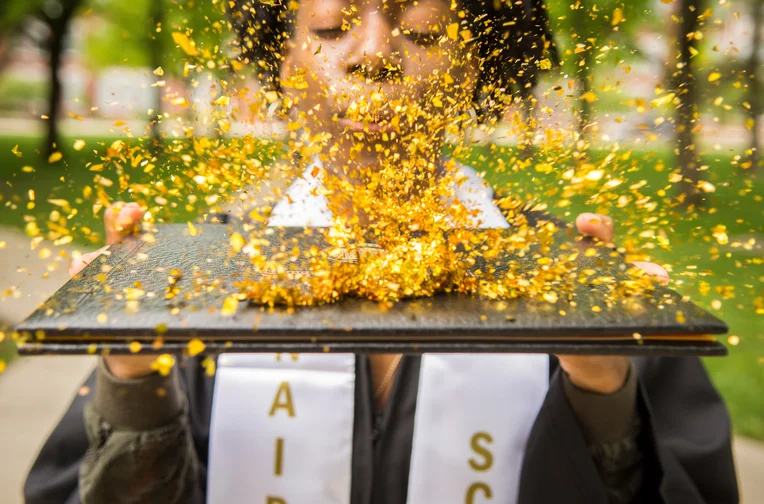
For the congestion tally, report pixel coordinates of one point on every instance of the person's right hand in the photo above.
(120, 219)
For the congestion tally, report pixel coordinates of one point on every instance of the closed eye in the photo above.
(333, 33)
(422, 38)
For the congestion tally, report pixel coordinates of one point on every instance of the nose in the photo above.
(375, 56)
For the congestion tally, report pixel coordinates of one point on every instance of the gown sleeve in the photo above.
(684, 440)
(128, 443)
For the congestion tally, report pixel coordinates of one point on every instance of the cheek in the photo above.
(431, 65)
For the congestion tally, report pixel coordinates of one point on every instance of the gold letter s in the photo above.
(481, 450)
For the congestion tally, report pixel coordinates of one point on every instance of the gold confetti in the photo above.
(230, 305)
(195, 347)
(185, 43)
(589, 96)
(163, 364)
(720, 233)
(55, 157)
(209, 366)
(452, 31)
(617, 16)
(237, 242)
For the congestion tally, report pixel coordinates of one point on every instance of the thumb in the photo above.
(79, 263)
(121, 219)
(598, 226)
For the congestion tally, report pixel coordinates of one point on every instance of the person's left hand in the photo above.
(595, 373)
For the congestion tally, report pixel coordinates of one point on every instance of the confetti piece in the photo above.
(209, 366)
(237, 242)
(163, 364)
(230, 305)
(589, 96)
(55, 157)
(714, 76)
(79, 145)
(720, 233)
(452, 31)
(159, 71)
(617, 16)
(188, 45)
(16, 151)
(195, 347)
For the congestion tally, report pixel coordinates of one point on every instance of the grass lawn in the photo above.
(734, 277)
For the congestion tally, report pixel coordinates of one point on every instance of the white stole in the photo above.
(282, 425)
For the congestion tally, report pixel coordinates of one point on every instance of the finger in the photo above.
(79, 263)
(598, 226)
(654, 270)
(120, 219)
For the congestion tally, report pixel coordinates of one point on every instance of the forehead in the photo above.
(350, 7)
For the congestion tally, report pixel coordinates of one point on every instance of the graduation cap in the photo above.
(157, 296)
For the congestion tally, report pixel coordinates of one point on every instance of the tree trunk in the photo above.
(155, 56)
(54, 92)
(584, 74)
(59, 27)
(754, 86)
(685, 87)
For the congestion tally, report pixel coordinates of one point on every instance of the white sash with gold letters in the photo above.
(281, 429)
(282, 425)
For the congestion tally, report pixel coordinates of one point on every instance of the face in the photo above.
(380, 77)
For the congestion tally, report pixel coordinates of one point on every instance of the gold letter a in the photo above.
(285, 403)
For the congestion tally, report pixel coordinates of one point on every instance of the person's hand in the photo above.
(602, 374)
(120, 219)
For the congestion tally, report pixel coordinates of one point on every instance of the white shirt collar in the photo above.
(305, 205)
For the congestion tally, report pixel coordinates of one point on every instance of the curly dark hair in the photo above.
(513, 38)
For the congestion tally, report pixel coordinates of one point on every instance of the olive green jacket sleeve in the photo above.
(141, 448)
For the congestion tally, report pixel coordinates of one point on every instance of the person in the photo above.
(389, 429)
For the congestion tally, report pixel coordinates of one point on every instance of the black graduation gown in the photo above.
(685, 439)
